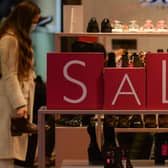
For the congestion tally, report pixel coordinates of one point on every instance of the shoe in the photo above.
(123, 121)
(22, 125)
(112, 157)
(136, 121)
(125, 160)
(163, 121)
(49, 161)
(111, 120)
(92, 25)
(150, 121)
(106, 25)
(94, 153)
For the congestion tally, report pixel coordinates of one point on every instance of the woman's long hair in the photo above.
(19, 21)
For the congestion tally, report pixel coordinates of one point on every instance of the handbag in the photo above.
(22, 125)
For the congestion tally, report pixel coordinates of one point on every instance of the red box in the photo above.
(75, 80)
(157, 92)
(124, 88)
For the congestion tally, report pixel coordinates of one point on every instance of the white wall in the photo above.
(123, 10)
(126, 10)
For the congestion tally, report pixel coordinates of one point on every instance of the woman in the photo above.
(16, 78)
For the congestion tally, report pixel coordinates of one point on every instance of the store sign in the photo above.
(75, 80)
(79, 81)
(124, 88)
(157, 81)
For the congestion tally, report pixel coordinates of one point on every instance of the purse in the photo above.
(22, 125)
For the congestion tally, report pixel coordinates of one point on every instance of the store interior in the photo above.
(73, 19)
(70, 21)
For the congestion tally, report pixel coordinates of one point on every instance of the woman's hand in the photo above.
(22, 112)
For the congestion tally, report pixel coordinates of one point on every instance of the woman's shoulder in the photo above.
(9, 38)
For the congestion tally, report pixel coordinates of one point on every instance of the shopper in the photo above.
(17, 78)
(40, 100)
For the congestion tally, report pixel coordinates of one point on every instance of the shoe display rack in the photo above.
(103, 37)
(43, 111)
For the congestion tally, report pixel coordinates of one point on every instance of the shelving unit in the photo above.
(102, 37)
(43, 111)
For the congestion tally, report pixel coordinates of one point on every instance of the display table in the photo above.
(43, 111)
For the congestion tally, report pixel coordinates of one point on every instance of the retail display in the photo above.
(150, 121)
(113, 155)
(110, 155)
(148, 26)
(163, 121)
(117, 26)
(134, 58)
(131, 26)
(136, 121)
(161, 26)
(161, 148)
(94, 153)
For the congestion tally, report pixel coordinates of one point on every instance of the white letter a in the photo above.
(119, 92)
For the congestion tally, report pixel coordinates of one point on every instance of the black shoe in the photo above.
(150, 121)
(92, 25)
(112, 157)
(106, 25)
(136, 121)
(125, 160)
(163, 121)
(94, 153)
(123, 121)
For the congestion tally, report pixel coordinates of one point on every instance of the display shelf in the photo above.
(43, 111)
(102, 111)
(128, 34)
(103, 36)
(141, 130)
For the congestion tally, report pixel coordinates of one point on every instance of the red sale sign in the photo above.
(157, 80)
(75, 80)
(124, 88)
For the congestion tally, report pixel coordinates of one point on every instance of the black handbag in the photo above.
(22, 125)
